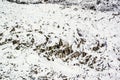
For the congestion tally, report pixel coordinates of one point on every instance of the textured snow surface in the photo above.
(55, 42)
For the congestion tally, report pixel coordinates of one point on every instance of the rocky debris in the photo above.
(96, 5)
(100, 5)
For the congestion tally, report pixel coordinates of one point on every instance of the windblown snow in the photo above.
(57, 42)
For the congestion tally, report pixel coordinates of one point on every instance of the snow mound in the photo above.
(51, 41)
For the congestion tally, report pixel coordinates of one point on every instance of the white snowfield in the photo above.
(30, 34)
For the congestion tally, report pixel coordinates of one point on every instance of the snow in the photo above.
(29, 34)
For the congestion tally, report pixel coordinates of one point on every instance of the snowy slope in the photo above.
(57, 42)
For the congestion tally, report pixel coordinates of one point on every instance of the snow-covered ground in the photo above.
(56, 42)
